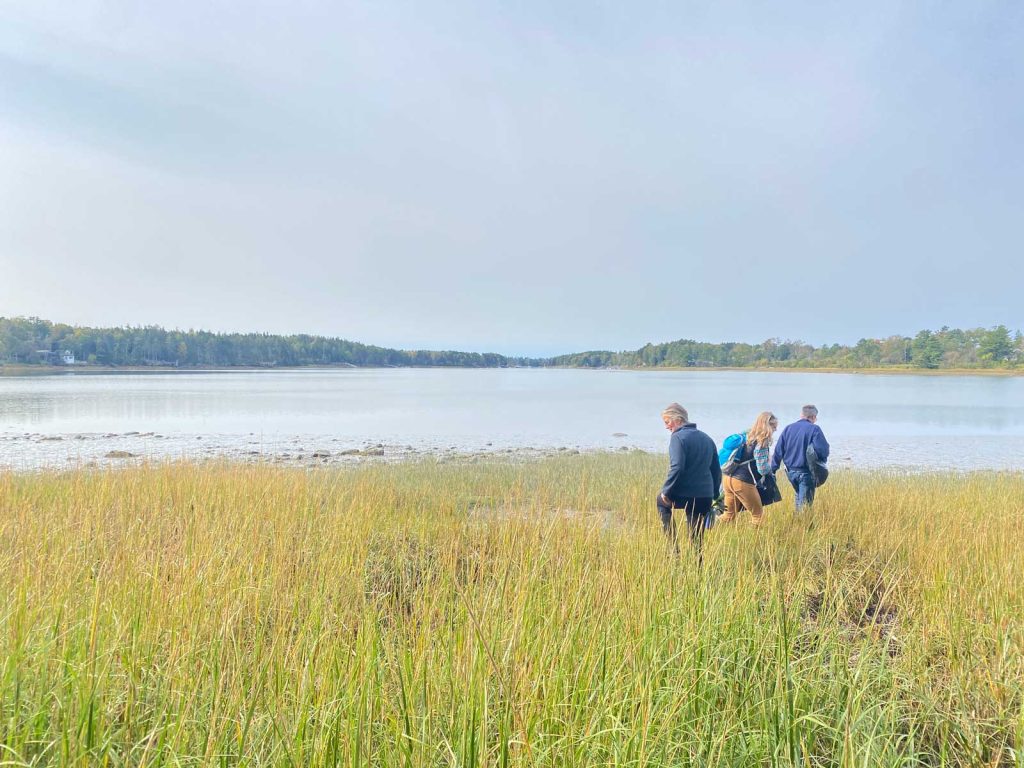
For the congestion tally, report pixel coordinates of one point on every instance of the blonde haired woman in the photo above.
(740, 481)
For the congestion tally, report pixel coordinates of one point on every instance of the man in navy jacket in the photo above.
(791, 450)
(694, 476)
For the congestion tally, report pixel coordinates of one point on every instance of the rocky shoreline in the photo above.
(34, 451)
(96, 450)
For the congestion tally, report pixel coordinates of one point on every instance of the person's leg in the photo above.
(809, 487)
(697, 511)
(803, 484)
(794, 479)
(668, 524)
(750, 499)
(732, 501)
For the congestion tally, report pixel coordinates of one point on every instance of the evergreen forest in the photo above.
(33, 341)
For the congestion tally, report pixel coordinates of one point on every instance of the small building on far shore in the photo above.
(67, 357)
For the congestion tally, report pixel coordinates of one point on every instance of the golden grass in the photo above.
(500, 614)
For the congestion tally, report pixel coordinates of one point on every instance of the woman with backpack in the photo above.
(741, 475)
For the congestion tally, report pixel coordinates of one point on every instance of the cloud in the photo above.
(528, 178)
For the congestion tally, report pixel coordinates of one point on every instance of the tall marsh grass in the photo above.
(503, 615)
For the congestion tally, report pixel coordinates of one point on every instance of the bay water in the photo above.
(939, 423)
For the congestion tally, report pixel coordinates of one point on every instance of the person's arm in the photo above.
(716, 474)
(676, 462)
(777, 454)
(762, 460)
(820, 443)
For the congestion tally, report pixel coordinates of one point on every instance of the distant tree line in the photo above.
(946, 348)
(29, 340)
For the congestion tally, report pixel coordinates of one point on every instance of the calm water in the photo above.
(920, 422)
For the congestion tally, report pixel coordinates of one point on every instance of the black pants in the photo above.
(697, 512)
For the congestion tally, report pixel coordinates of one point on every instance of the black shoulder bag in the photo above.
(767, 487)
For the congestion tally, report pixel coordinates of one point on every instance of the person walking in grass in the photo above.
(740, 479)
(694, 477)
(791, 450)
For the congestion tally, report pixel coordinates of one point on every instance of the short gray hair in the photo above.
(676, 412)
(808, 411)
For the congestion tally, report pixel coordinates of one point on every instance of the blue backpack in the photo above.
(731, 453)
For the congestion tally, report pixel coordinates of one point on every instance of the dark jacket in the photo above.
(792, 446)
(693, 470)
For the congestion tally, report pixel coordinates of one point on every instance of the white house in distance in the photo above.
(67, 357)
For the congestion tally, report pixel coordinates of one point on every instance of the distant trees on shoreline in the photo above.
(29, 341)
(946, 348)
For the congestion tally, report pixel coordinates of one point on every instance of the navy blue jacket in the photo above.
(693, 470)
(792, 446)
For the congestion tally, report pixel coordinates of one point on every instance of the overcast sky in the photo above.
(522, 177)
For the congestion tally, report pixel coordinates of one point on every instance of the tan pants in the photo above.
(740, 495)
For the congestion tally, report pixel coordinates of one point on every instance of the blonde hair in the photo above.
(676, 412)
(761, 433)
